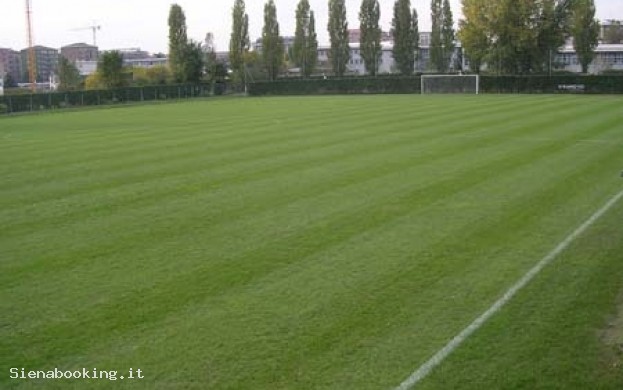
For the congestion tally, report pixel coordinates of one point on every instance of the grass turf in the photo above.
(310, 242)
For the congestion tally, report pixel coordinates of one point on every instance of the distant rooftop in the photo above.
(80, 45)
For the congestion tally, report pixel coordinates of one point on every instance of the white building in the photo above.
(148, 62)
(86, 68)
(356, 64)
(607, 57)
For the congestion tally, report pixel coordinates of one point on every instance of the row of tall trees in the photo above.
(304, 50)
(509, 36)
(522, 36)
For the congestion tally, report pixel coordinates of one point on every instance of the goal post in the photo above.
(468, 84)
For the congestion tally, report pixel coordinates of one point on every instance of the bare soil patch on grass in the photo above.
(612, 338)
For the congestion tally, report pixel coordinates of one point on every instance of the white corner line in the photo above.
(443, 353)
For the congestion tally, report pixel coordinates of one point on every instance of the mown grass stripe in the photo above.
(306, 251)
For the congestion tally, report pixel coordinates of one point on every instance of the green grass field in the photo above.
(312, 243)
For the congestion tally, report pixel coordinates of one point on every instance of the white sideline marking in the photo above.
(443, 353)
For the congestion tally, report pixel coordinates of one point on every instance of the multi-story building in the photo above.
(134, 53)
(607, 57)
(46, 63)
(356, 64)
(11, 63)
(80, 52)
(148, 62)
(86, 68)
(354, 36)
(288, 42)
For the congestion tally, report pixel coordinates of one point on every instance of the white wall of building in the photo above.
(607, 57)
(86, 68)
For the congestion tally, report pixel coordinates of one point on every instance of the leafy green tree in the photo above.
(157, 75)
(473, 33)
(370, 40)
(436, 45)
(447, 35)
(305, 47)
(513, 36)
(94, 81)
(405, 39)
(255, 67)
(69, 75)
(338, 33)
(585, 31)
(552, 28)
(193, 66)
(239, 43)
(110, 70)
(178, 41)
(272, 42)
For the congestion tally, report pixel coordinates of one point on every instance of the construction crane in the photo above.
(94, 27)
(32, 57)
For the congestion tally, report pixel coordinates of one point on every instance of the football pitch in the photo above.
(314, 243)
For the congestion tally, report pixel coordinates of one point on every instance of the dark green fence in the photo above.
(58, 100)
(607, 84)
(337, 86)
(556, 84)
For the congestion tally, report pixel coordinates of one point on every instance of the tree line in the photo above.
(522, 36)
(503, 36)
(303, 54)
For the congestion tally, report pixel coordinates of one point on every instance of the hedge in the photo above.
(337, 86)
(59, 100)
(608, 84)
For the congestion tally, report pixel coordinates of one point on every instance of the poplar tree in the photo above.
(405, 39)
(305, 47)
(338, 33)
(442, 35)
(370, 40)
(436, 49)
(239, 42)
(447, 36)
(272, 42)
(178, 40)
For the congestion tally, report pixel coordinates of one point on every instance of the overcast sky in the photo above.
(143, 23)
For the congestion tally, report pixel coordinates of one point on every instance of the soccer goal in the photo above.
(451, 84)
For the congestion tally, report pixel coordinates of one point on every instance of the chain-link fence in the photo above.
(59, 100)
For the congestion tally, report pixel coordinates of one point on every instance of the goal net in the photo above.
(450, 84)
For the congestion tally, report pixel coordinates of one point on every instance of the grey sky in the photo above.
(143, 23)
